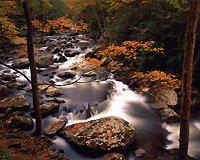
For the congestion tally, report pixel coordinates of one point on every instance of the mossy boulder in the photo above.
(104, 134)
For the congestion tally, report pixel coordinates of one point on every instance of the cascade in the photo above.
(92, 98)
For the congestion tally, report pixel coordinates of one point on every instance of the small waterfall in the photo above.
(88, 100)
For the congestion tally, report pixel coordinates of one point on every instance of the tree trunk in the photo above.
(187, 78)
(98, 18)
(30, 48)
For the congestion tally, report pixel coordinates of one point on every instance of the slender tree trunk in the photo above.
(33, 70)
(98, 18)
(187, 78)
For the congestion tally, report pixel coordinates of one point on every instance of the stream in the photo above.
(100, 96)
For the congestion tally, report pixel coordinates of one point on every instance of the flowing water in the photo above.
(104, 96)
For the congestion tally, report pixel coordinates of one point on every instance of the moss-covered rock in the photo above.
(105, 134)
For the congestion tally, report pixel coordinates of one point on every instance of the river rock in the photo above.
(57, 154)
(15, 103)
(66, 75)
(84, 37)
(57, 100)
(71, 53)
(44, 60)
(168, 97)
(50, 90)
(113, 156)
(7, 77)
(18, 85)
(62, 59)
(169, 115)
(56, 50)
(69, 45)
(89, 74)
(50, 67)
(105, 134)
(139, 152)
(22, 122)
(20, 63)
(74, 40)
(48, 109)
(3, 88)
(55, 127)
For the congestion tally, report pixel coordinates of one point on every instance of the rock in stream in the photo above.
(104, 134)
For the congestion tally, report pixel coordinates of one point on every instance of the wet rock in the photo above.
(3, 88)
(44, 60)
(22, 122)
(51, 46)
(20, 63)
(168, 97)
(69, 45)
(139, 152)
(84, 37)
(74, 40)
(66, 75)
(83, 48)
(50, 90)
(56, 154)
(62, 59)
(18, 85)
(71, 53)
(113, 156)
(48, 109)
(89, 74)
(50, 67)
(169, 115)
(15, 103)
(7, 77)
(57, 100)
(55, 127)
(105, 134)
(56, 50)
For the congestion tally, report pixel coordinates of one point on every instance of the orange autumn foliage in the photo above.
(123, 57)
(61, 24)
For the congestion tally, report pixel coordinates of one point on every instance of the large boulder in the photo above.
(55, 127)
(22, 122)
(20, 63)
(44, 60)
(18, 102)
(104, 134)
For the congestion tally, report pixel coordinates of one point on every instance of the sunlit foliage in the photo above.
(125, 58)
(8, 29)
(61, 24)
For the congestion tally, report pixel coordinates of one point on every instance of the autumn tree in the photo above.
(8, 29)
(127, 58)
(187, 77)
